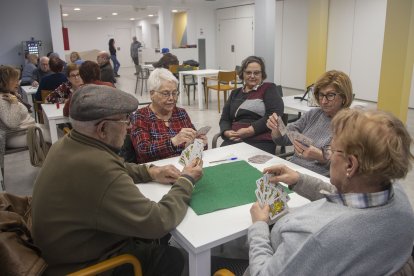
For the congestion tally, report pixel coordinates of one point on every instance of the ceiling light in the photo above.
(65, 14)
(114, 13)
(174, 11)
(132, 18)
(150, 15)
(76, 9)
(99, 18)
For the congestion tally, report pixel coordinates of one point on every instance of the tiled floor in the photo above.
(20, 175)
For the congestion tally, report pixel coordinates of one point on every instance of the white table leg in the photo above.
(53, 131)
(200, 264)
(200, 92)
(181, 88)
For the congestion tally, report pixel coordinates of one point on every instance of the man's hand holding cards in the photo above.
(271, 194)
(192, 152)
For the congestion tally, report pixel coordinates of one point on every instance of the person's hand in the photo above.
(194, 169)
(308, 152)
(164, 174)
(273, 125)
(282, 173)
(186, 135)
(35, 84)
(258, 213)
(10, 98)
(245, 132)
(204, 138)
(232, 135)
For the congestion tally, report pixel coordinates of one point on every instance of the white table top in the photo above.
(203, 72)
(28, 89)
(203, 232)
(52, 112)
(302, 106)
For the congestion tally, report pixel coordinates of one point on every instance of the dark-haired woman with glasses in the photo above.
(161, 129)
(246, 111)
(333, 92)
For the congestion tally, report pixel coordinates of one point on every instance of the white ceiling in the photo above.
(126, 9)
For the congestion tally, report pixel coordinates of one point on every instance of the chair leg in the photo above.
(136, 84)
(187, 89)
(206, 96)
(218, 100)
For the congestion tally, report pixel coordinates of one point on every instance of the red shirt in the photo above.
(152, 138)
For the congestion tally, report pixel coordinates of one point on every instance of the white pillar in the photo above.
(264, 34)
(55, 19)
(165, 26)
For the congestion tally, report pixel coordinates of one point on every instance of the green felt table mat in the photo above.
(225, 186)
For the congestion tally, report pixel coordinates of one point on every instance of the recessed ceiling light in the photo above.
(114, 13)
(174, 11)
(65, 14)
(76, 9)
(150, 15)
(132, 18)
(99, 18)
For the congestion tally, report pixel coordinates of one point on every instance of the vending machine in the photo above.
(32, 47)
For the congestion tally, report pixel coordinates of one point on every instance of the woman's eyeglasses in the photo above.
(74, 75)
(327, 152)
(253, 73)
(329, 96)
(167, 94)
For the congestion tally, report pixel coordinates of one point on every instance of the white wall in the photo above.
(20, 20)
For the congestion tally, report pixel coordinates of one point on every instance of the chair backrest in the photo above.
(44, 94)
(227, 78)
(173, 68)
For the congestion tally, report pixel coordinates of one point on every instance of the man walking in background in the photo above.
(135, 45)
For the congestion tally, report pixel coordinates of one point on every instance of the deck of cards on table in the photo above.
(192, 152)
(273, 195)
(293, 135)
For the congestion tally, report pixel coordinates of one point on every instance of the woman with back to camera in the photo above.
(361, 223)
(112, 51)
(333, 91)
(246, 111)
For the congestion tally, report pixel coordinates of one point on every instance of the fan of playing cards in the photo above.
(195, 150)
(293, 135)
(272, 194)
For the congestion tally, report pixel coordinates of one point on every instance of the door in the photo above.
(226, 44)
(244, 43)
(123, 40)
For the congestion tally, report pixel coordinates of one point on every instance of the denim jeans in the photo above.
(116, 64)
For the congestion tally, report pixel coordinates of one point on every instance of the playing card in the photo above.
(192, 152)
(276, 208)
(281, 126)
(203, 131)
(259, 159)
(296, 136)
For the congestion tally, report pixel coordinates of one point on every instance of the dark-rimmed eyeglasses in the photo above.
(253, 73)
(328, 151)
(329, 96)
(74, 75)
(167, 94)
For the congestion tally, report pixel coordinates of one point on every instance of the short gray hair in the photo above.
(86, 127)
(158, 76)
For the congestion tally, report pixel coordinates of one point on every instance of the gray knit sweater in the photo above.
(324, 238)
(314, 124)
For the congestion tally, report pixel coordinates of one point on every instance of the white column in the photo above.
(264, 34)
(165, 26)
(55, 19)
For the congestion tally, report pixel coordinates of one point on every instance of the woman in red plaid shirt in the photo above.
(162, 129)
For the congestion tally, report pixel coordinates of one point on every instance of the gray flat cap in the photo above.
(92, 102)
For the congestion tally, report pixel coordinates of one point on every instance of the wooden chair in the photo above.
(38, 107)
(225, 81)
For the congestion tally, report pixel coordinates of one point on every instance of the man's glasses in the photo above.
(329, 96)
(127, 120)
(328, 152)
(167, 94)
(253, 73)
(74, 75)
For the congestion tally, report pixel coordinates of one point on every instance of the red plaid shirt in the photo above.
(152, 138)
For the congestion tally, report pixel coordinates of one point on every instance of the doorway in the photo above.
(123, 40)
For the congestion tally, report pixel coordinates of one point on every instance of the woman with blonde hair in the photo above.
(333, 92)
(361, 223)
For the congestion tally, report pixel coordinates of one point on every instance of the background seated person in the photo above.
(14, 113)
(41, 71)
(246, 111)
(98, 211)
(90, 74)
(28, 69)
(75, 58)
(52, 81)
(361, 223)
(63, 92)
(333, 92)
(107, 73)
(161, 129)
(166, 60)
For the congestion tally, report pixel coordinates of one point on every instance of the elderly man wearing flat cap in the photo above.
(86, 207)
